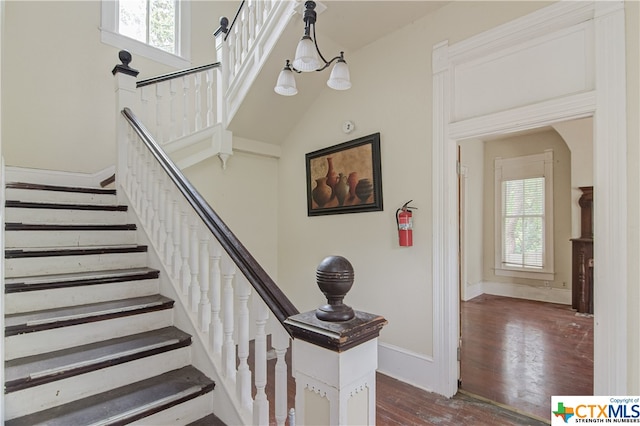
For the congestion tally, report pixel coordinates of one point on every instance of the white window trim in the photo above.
(110, 35)
(528, 166)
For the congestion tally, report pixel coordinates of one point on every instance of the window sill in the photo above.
(534, 275)
(137, 48)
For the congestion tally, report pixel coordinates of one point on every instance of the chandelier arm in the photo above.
(327, 64)
(315, 41)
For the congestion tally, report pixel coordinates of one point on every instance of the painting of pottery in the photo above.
(345, 178)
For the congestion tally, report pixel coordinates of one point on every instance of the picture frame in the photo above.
(345, 178)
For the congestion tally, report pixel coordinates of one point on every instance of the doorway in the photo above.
(516, 331)
(459, 113)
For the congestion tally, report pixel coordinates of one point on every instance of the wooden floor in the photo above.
(516, 354)
(520, 352)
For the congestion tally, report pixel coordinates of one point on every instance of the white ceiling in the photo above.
(351, 25)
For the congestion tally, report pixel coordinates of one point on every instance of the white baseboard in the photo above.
(415, 369)
(56, 177)
(471, 291)
(519, 291)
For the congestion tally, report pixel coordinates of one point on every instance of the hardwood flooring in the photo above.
(516, 354)
(520, 352)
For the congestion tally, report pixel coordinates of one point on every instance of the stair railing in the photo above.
(243, 47)
(213, 274)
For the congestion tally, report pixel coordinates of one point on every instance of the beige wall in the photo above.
(528, 145)
(389, 280)
(58, 95)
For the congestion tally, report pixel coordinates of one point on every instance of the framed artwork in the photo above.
(345, 178)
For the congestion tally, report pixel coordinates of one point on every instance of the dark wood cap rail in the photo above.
(176, 74)
(277, 301)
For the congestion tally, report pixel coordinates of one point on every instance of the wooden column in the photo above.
(334, 362)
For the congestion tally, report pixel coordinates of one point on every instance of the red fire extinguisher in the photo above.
(404, 220)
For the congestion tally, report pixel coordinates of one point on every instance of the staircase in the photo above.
(89, 340)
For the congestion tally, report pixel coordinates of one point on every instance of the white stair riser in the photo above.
(28, 344)
(28, 266)
(70, 238)
(44, 196)
(42, 397)
(181, 414)
(72, 296)
(59, 216)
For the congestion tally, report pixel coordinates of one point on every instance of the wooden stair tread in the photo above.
(41, 187)
(72, 251)
(210, 420)
(43, 368)
(126, 404)
(13, 226)
(64, 206)
(45, 282)
(61, 317)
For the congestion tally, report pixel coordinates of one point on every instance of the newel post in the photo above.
(125, 88)
(335, 354)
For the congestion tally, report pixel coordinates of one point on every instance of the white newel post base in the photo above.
(334, 364)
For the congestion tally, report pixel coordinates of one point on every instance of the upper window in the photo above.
(524, 216)
(155, 29)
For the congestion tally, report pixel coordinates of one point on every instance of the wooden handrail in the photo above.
(275, 299)
(176, 74)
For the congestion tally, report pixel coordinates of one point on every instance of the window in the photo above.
(524, 216)
(155, 29)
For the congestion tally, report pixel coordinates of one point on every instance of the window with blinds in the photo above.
(523, 223)
(524, 216)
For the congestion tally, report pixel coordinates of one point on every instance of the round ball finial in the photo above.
(125, 57)
(334, 276)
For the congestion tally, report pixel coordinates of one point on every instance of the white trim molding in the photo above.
(407, 366)
(604, 44)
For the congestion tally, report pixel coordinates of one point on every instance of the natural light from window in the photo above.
(154, 29)
(523, 223)
(524, 216)
(150, 21)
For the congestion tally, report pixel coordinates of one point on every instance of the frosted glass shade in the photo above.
(286, 85)
(339, 78)
(306, 59)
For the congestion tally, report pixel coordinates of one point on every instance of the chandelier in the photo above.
(308, 58)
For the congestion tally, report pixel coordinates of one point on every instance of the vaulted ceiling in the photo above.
(350, 25)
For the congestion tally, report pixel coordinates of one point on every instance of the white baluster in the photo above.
(144, 101)
(210, 115)
(130, 176)
(185, 273)
(160, 209)
(215, 328)
(243, 386)
(205, 304)
(245, 34)
(155, 199)
(261, 403)
(172, 110)
(198, 101)
(280, 343)
(149, 179)
(159, 133)
(168, 231)
(185, 105)
(259, 15)
(139, 179)
(177, 240)
(228, 346)
(194, 260)
(251, 30)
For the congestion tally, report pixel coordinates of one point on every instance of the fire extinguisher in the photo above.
(404, 220)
